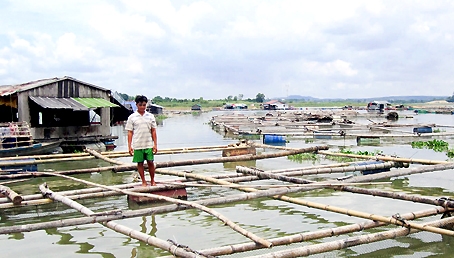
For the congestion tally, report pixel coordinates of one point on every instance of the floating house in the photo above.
(235, 106)
(154, 108)
(60, 109)
(121, 113)
(196, 107)
(378, 105)
(274, 105)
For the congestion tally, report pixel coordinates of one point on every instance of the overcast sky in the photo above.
(213, 49)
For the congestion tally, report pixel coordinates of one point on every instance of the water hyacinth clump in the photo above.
(436, 145)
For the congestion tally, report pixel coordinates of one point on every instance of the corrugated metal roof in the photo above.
(6, 90)
(95, 102)
(155, 105)
(58, 103)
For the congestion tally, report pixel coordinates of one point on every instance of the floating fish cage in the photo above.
(367, 140)
(423, 129)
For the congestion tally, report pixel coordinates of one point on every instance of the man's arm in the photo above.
(155, 140)
(130, 134)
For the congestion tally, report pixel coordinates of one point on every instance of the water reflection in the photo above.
(84, 247)
(143, 249)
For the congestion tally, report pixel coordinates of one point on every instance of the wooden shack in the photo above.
(196, 107)
(274, 105)
(154, 108)
(59, 108)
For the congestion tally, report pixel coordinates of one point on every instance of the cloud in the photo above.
(213, 49)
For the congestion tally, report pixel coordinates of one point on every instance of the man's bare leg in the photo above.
(151, 170)
(141, 170)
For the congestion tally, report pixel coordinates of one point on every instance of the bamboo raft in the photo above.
(275, 184)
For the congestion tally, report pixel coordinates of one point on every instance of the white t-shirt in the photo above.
(141, 126)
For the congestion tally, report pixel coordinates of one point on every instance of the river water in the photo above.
(266, 218)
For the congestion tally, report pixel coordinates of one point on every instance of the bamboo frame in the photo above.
(277, 193)
(352, 241)
(224, 219)
(165, 245)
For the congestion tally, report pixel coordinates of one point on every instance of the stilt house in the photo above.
(59, 108)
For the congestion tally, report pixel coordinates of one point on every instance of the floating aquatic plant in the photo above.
(300, 157)
(436, 145)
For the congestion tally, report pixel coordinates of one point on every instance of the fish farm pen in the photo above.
(330, 202)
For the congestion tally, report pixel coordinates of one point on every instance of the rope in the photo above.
(188, 249)
(402, 220)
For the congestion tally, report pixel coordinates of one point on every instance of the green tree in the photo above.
(157, 99)
(260, 97)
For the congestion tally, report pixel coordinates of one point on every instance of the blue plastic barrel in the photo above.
(274, 139)
(371, 162)
(30, 167)
(423, 129)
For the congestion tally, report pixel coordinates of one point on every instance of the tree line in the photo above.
(260, 98)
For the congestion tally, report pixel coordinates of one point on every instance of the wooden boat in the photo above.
(16, 140)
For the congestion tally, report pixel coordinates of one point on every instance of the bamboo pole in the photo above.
(444, 202)
(73, 192)
(65, 172)
(223, 159)
(50, 158)
(285, 175)
(401, 172)
(224, 219)
(385, 158)
(239, 158)
(13, 181)
(87, 195)
(276, 186)
(109, 153)
(352, 241)
(151, 240)
(47, 156)
(127, 167)
(166, 152)
(349, 212)
(13, 196)
(43, 161)
(99, 156)
(331, 170)
(313, 235)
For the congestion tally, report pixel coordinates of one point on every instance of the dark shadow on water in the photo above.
(84, 247)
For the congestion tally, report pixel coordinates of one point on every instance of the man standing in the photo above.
(142, 139)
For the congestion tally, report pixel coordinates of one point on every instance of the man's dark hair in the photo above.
(141, 98)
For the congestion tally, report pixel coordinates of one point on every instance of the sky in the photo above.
(214, 49)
